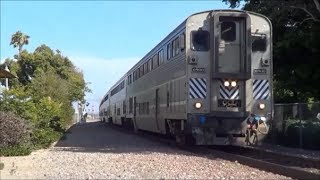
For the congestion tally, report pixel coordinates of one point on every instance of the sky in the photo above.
(102, 38)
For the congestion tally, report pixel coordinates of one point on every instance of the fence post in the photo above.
(300, 125)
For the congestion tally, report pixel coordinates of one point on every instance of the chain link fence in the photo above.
(296, 125)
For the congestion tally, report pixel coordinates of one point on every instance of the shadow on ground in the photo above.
(101, 137)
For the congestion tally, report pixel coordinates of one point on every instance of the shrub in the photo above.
(19, 102)
(42, 138)
(15, 151)
(310, 135)
(14, 130)
(14, 136)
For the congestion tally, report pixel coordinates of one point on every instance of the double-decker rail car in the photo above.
(208, 82)
(104, 108)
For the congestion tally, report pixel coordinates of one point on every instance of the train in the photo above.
(209, 82)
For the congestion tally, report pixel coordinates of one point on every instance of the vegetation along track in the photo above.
(295, 167)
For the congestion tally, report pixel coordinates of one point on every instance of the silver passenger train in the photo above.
(209, 82)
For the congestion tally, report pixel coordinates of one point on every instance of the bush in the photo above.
(15, 135)
(42, 138)
(15, 151)
(19, 102)
(14, 130)
(310, 135)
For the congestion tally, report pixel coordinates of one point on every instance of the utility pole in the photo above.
(7, 81)
(80, 112)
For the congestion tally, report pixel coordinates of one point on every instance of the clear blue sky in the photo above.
(103, 38)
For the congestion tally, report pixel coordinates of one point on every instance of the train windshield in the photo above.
(228, 31)
(200, 40)
(259, 42)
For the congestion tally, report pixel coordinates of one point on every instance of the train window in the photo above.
(169, 51)
(141, 71)
(149, 65)
(161, 56)
(145, 68)
(200, 40)
(228, 31)
(128, 79)
(155, 61)
(134, 75)
(176, 47)
(130, 104)
(182, 40)
(173, 48)
(138, 73)
(122, 85)
(259, 42)
(124, 107)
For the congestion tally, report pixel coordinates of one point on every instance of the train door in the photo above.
(232, 33)
(134, 107)
(232, 62)
(157, 108)
(134, 114)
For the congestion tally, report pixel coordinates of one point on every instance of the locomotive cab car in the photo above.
(229, 74)
(207, 83)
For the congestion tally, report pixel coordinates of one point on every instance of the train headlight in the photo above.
(262, 106)
(197, 105)
(233, 83)
(226, 83)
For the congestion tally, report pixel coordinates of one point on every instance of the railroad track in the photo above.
(283, 159)
(294, 167)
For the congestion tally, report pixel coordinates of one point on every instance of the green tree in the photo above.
(47, 85)
(43, 64)
(19, 39)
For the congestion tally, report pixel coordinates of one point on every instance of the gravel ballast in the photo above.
(95, 151)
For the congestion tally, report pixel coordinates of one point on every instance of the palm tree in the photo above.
(19, 39)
